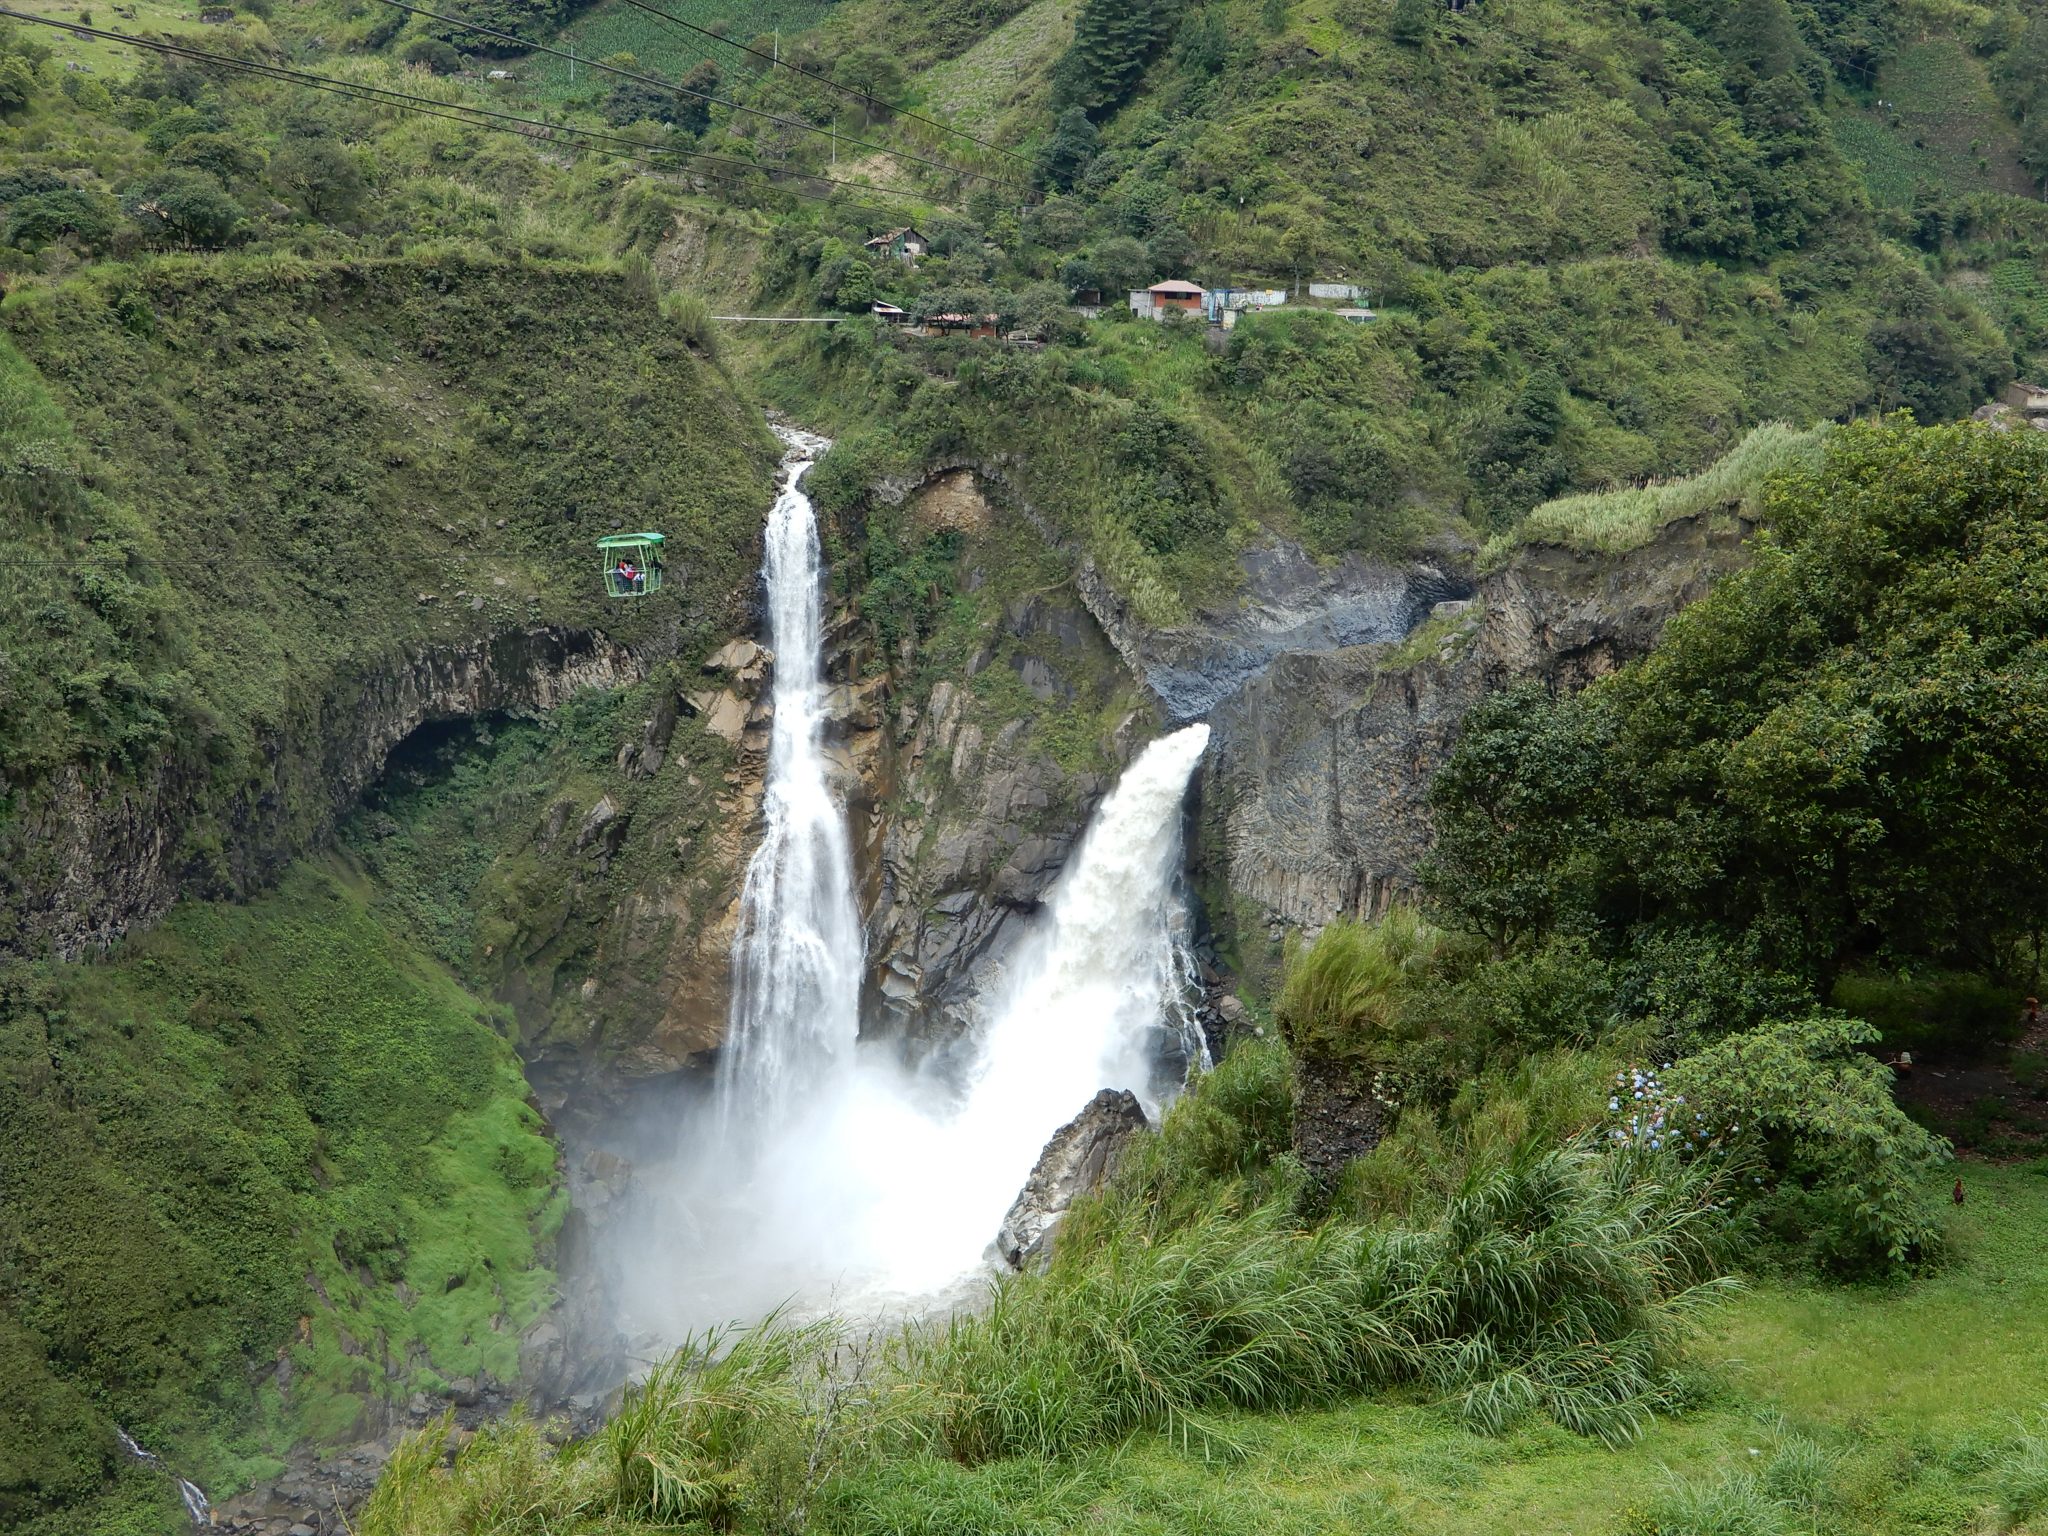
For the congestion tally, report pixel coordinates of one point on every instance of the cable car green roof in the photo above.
(617, 540)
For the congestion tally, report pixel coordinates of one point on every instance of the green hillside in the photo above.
(324, 358)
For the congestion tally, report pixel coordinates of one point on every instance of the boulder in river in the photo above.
(1081, 1155)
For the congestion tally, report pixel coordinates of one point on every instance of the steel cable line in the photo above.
(844, 90)
(457, 112)
(681, 90)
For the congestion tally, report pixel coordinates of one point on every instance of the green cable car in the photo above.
(632, 563)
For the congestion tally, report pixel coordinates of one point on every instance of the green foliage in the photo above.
(1779, 772)
(1614, 522)
(1237, 1128)
(177, 207)
(1342, 996)
(1846, 1167)
(226, 1146)
(1068, 151)
(1113, 41)
(321, 176)
(1511, 810)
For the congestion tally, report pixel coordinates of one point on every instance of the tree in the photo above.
(1113, 41)
(1068, 153)
(321, 176)
(222, 154)
(874, 73)
(434, 54)
(1122, 264)
(1414, 21)
(17, 84)
(85, 217)
(693, 109)
(1511, 810)
(1759, 39)
(182, 206)
(1173, 251)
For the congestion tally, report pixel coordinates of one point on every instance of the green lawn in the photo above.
(1888, 1410)
(116, 61)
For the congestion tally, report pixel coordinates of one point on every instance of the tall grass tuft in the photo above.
(717, 1431)
(1342, 995)
(1556, 1280)
(1614, 522)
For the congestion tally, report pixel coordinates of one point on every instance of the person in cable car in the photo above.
(626, 577)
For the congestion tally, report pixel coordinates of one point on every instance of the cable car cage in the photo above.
(632, 563)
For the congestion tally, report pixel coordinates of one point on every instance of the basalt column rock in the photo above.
(1082, 1154)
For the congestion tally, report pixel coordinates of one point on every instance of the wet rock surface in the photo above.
(1081, 1155)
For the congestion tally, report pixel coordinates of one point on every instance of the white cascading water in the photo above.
(197, 1509)
(830, 1173)
(796, 957)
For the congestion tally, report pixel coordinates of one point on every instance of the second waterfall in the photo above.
(828, 1173)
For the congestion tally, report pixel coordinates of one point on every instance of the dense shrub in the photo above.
(1841, 1164)
(1815, 770)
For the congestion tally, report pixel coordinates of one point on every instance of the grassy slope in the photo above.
(1908, 1393)
(272, 1133)
(267, 464)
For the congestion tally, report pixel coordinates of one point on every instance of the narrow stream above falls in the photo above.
(827, 1171)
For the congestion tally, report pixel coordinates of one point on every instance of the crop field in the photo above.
(1892, 165)
(1936, 97)
(661, 48)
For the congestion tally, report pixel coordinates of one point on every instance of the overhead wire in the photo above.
(459, 112)
(705, 96)
(776, 61)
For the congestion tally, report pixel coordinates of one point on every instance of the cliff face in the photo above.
(1321, 764)
(1335, 693)
(274, 523)
(101, 852)
(981, 749)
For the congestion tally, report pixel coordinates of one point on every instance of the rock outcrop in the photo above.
(1081, 1155)
(95, 853)
(1322, 761)
(971, 799)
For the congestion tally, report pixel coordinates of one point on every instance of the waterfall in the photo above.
(196, 1507)
(1096, 997)
(828, 1171)
(797, 951)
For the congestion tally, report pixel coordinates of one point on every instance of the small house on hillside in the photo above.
(1355, 316)
(1350, 293)
(2028, 399)
(904, 244)
(887, 314)
(974, 327)
(1175, 296)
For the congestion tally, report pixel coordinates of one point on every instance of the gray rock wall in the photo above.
(1321, 764)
